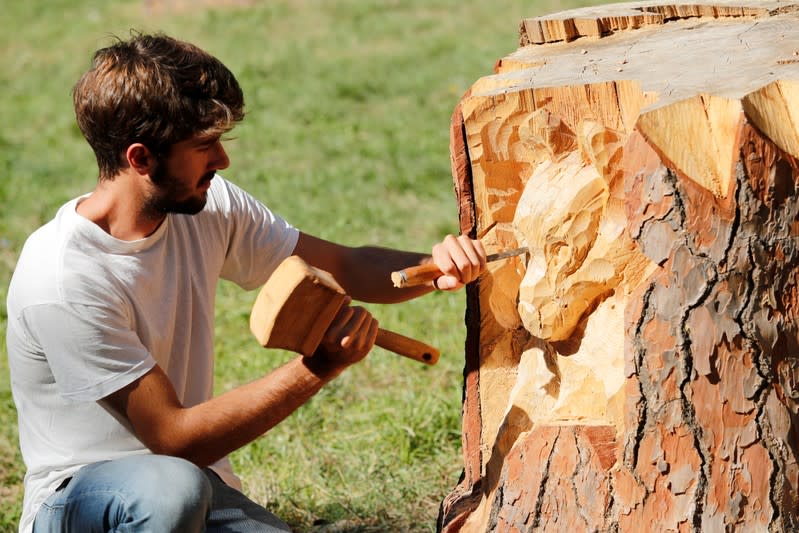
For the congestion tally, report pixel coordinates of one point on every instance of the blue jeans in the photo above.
(151, 493)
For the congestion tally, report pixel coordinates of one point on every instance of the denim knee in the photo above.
(143, 493)
(173, 495)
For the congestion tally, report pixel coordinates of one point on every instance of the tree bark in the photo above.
(639, 370)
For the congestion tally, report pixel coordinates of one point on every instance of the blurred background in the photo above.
(347, 136)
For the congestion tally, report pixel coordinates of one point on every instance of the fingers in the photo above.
(359, 331)
(350, 336)
(461, 259)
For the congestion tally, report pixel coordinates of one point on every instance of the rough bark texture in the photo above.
(639, 371)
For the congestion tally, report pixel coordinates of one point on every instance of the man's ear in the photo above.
(140, 158)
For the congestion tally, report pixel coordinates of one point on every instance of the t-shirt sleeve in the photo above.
(258, 239)
(91, 350)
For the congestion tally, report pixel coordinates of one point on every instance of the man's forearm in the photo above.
(364, 272)
(234, 419)
(207, 432)
(367, 278)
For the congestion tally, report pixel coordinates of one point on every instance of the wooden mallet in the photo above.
(298, 303)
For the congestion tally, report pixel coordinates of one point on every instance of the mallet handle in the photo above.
(407, 346)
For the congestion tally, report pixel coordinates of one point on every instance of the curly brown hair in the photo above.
(155, 90)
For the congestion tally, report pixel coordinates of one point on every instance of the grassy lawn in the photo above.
(348, 108)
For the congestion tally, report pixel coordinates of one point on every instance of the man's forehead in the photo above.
(198, 140)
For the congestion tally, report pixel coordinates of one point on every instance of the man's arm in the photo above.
(365, 272)
(207, 432)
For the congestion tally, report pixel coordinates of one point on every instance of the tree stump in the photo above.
(639, 371)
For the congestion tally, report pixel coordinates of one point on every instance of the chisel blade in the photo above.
(507, 253)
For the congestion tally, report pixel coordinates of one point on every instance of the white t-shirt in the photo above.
(88, 314)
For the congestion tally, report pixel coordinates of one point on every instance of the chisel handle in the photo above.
(407, 347)
(416, 275)
(419, 275)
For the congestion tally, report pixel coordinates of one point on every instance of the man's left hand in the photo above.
(461, 259)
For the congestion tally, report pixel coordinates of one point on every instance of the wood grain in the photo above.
(643, 367)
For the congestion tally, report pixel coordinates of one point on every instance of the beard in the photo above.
(172, 196)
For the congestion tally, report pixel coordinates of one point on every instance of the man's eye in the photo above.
(207, 145)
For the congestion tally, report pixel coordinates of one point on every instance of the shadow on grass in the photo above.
(347, 526)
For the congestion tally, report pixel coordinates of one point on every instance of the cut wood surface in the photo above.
(643, 366)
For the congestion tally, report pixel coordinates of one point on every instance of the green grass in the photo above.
(348, 108)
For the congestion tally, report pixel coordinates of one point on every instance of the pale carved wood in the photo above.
(640, 368)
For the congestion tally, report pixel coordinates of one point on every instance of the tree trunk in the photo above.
(639, 370)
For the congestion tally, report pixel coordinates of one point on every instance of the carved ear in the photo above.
(140, 158)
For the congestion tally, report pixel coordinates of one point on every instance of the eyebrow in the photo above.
(206, 141)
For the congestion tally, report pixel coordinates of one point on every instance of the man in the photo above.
(110, 309)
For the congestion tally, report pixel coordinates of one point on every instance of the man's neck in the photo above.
(115, 206)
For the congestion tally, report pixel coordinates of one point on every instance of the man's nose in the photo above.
(221, 160)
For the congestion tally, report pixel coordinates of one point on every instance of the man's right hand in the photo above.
(205, 432)
(349, 338)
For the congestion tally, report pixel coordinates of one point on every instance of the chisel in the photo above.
(419, 275)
